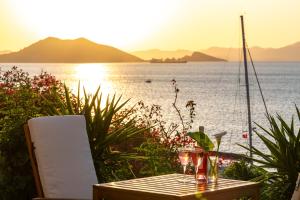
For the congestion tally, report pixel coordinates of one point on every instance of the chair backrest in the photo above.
(63, 156)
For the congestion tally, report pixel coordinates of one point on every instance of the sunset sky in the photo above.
(145, 24)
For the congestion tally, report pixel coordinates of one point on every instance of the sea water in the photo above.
(217, 88)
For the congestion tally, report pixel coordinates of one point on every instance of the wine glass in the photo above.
(184, 157)
(197, 158)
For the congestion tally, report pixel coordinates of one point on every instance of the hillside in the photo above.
(54, 50)
(286, 53)
(198, 56)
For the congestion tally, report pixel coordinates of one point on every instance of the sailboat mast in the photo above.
(247, 86)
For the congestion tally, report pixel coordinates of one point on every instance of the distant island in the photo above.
(81, 50)
(161, 54)
(195, 57)
(167, 60)
(5, 52)
(198, 56)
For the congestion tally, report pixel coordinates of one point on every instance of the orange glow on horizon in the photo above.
(143, 24)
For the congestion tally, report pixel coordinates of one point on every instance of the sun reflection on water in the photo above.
(92, 76)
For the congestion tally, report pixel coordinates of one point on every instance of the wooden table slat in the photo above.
(169, 186)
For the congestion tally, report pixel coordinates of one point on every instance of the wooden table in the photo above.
(167, 187)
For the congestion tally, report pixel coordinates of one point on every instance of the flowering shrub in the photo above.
(20, 100)
(171, 135)
(23, 97)
(163, 139)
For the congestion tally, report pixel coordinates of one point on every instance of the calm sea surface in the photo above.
(218, 89)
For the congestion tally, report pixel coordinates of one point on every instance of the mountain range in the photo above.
(54, 50)
(286, 53)
(81, 50)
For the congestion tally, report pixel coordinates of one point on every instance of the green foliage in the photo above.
(275, 189)
(283, 142)
(160, 160)
(23, 97)
(203, 140)
(106, 128)
(19, 101)
(243, 170)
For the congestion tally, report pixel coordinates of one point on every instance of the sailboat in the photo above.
(247, 85)
(245, 51)
(248, 132)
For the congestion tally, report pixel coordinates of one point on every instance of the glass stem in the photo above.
(184, 169)
(196, 172)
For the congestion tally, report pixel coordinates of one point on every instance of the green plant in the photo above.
(275, 188)
(23, 97)
(19, 101)
(202, 140)
(163, 139)
(243, 170)
(207, 145)
(160, 160)
(283, 142)
(107, 129)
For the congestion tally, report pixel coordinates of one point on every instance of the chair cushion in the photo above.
(63, 156)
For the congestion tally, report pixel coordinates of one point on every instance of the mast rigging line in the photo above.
(258, 82)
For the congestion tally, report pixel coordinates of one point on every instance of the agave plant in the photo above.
(283, 143)
(105, 127)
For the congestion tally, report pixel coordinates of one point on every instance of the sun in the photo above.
(91, 76)
(115, 22)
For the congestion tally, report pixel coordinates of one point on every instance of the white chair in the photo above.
(296, 195)
(61, 157)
